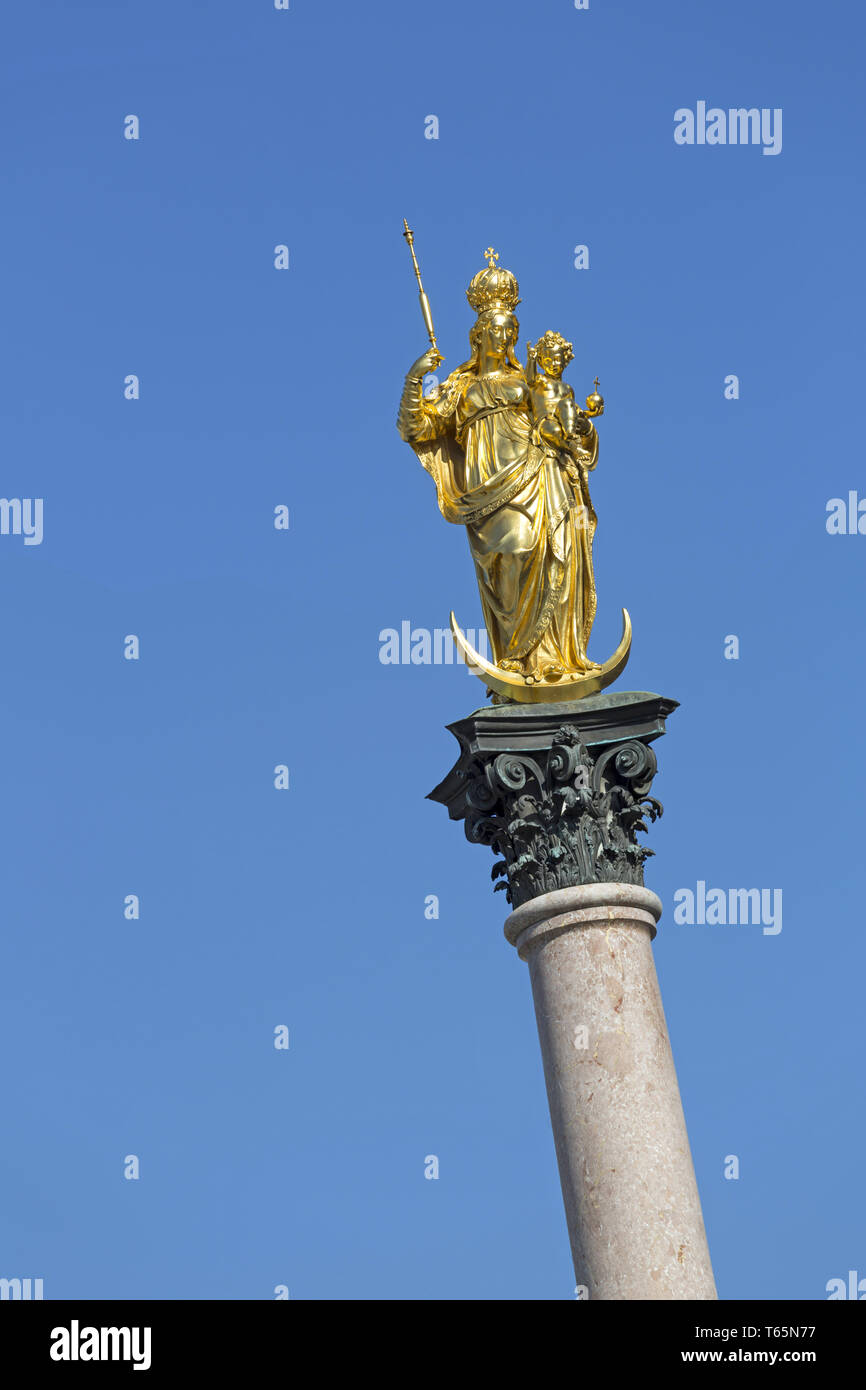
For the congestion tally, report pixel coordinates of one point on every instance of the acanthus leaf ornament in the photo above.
(568, 820)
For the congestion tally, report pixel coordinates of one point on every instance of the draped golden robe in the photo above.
(527, 512)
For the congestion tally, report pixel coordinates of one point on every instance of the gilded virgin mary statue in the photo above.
(510, 453)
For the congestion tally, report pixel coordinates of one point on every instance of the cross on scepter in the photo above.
(491, 256)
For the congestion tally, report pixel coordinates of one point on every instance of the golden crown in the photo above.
(493, 287)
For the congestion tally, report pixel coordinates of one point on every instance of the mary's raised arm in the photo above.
(420, 419)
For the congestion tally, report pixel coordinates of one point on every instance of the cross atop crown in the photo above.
(491, 257)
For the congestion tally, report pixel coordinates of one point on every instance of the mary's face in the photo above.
(495, 336)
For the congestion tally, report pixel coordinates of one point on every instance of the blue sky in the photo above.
(261, 387)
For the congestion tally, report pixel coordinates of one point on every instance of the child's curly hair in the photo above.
(550, 340)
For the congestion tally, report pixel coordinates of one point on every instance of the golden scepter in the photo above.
(425, 302)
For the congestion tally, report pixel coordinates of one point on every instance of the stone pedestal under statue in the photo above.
(559, 792)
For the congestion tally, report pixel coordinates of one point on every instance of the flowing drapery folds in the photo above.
(526, 508)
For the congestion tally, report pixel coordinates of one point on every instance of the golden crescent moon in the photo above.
(514, 687)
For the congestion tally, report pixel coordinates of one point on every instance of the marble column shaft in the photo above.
(631, 1200)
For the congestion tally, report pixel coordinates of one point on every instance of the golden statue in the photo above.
(510, 452)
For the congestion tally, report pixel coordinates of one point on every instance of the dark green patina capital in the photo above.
(559, 791)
